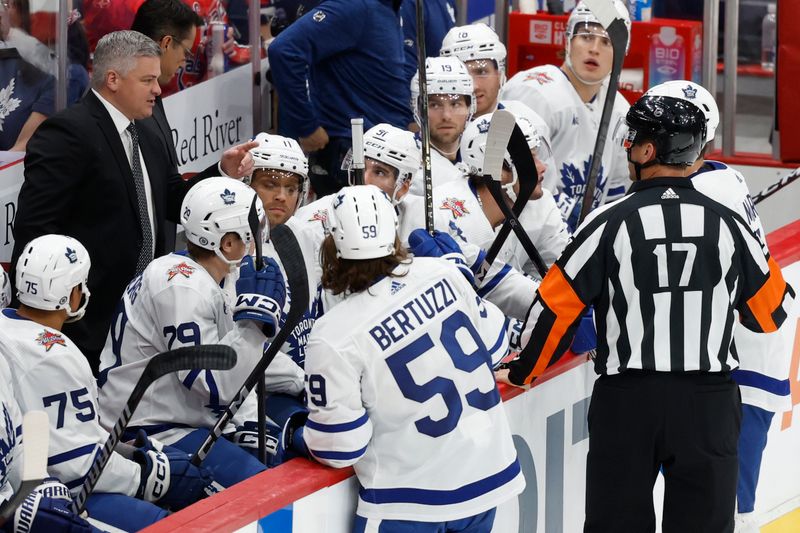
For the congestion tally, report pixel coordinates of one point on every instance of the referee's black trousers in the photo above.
(687, 425)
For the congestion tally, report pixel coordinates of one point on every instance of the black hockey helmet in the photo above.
(675, 126)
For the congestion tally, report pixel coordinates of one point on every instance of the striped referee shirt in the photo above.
(668, 271)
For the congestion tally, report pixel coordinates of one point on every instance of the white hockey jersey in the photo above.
(10, 441)
(764, 358)
(51, 373)
(176, 303)
(400, 386)
(573, 132)
(442, 171)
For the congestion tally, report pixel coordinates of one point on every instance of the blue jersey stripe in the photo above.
(488, 287)
(71, 454)
(748, 378)
(338, 428)
(616, 191)
(497, 344)
(442, 497)
(339, 456)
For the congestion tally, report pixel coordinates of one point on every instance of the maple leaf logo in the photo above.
(574, 180)
(7, 102)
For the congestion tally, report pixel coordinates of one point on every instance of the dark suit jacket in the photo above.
(78, 182)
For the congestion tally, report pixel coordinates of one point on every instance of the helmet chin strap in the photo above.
(639, 166)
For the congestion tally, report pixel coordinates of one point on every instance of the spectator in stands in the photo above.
(78, 57)
(26, 93)
(98, 172)
(342, 59)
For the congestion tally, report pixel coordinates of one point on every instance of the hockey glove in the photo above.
(585, 336)
(48, 508)
(168, 476)
(441, 245)
(260, 295)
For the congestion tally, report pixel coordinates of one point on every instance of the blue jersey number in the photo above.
(187, 333)
(83, 407)
(478, 359)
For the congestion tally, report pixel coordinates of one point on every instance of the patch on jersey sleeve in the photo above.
(181, 268)
(320, 215)
(48, 339)
(540, 77)
(456, 207)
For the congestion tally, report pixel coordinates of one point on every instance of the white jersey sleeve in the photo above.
(400, 385)
(51, 374)
(10, 429)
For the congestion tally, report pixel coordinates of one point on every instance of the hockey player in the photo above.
(481, 50)
(757, 375)
(570, 99)
(178, 301)
(51, 373)
(363, 389)
(451, 105)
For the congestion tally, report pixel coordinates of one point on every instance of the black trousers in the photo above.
(325, 166)
(684, 424)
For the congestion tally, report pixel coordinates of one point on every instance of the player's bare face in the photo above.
(381, 175)
(486, 79)
(135, 92)
(447, 118)
(278, 191)
(591, 52)
(540, 170)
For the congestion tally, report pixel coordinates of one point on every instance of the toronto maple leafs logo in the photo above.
(7, 102)
(8, 439)
(574, 180)
(540, 77)
(71, 255)
(228, 196)
(180, 269)
(320, 216)
(456, 207)
(48, 339)
(689, 92)
(483, 126)
(457, 231)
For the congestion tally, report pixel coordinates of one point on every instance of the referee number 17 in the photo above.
(668, 261)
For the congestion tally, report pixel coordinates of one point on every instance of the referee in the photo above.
(669, 273)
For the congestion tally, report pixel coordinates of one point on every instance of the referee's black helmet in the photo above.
(676, 127)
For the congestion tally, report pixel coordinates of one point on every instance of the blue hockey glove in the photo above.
(168, 476)
(441, 245)
(585, 336)
(48, 508)
(260, 295)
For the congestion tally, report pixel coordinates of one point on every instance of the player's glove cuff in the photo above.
(155, 479)
(259, 308)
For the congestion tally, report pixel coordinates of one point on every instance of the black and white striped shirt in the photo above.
(668, 271)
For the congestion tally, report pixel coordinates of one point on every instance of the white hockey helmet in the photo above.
(362, 222)
(473, 152)
(579, 23)
(444, 75)
(48, 269)
(693, 93)
(282, 153)
(217, 206)
(475, 41)
(396, 148)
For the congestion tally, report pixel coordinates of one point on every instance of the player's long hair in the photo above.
(350, 276)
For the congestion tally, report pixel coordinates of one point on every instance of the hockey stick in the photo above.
(607, 14)
(254, 222)
(292, 259)
(207, 357)
(36, 440)
(357, 129)
(424, 129)
(775, 187)
(504, 134)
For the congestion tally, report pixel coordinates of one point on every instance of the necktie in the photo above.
(146, 251)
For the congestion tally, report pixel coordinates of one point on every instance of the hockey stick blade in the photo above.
(36, 441)
(528, 176)
(607, 14)
(292, 259)
(206, 357)
(500, 130)
(775, 187)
